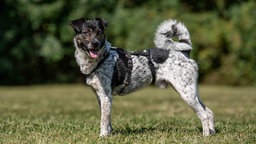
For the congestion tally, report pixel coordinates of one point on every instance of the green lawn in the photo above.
(70, 114)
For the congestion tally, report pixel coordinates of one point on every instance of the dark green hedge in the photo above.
(36, 39)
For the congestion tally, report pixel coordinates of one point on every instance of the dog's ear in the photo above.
(102, 23)
(77, 24)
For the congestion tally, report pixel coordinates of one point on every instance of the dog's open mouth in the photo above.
(94, 53)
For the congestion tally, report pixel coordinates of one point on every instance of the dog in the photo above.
(114, 71)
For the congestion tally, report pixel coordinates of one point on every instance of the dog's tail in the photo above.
(169, 29)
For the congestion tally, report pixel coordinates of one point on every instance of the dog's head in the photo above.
(90, 35)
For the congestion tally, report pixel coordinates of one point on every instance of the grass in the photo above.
(70, 114)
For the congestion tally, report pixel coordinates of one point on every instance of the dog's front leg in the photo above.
(105, 102)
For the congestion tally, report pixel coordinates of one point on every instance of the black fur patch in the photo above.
(159, 55)
(186, 53)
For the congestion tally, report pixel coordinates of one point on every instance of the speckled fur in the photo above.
(177, 70)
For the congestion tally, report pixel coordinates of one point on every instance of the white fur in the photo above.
(164, 42)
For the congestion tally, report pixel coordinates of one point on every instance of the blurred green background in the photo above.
(36, 39)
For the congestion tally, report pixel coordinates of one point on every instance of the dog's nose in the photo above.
(95, 44)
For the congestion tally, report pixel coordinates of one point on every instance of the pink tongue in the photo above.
(93, 54)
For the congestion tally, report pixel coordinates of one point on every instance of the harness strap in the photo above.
(150, 63)
(127, 79)
(123, 69)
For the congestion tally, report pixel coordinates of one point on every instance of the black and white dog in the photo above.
(114, 71)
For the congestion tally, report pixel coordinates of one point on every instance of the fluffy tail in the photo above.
(169, 29)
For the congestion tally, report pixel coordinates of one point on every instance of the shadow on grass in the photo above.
(141, 130)
(129, 130)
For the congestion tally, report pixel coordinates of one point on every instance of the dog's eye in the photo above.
(81, 45)
(99, 32)
(85, 32)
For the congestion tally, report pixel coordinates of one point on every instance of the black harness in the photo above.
(123, 67)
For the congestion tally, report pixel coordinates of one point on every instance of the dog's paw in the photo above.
(104, 135)
(209, 132)
(107, 132)
(212, 131)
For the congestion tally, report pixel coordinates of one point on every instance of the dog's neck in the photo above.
(88, 64)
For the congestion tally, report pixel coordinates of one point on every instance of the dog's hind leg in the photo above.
(210, 116)
(191, 98)
(184, 80)
(211, 120)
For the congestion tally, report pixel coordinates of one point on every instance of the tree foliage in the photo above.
(36, 39)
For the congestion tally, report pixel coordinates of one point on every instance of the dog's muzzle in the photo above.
(94, 53)
(94, 49)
